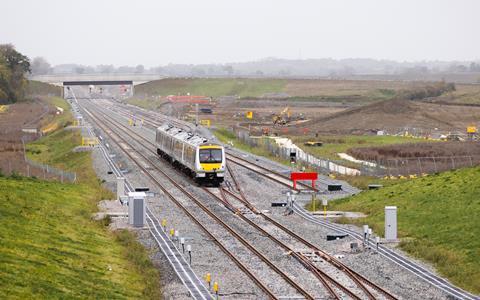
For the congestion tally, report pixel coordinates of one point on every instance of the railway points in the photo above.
(153, 124)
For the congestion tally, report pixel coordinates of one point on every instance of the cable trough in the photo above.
(327, 281)
(185, 273)
(400, 260)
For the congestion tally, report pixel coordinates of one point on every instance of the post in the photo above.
(365, 232)
(182, 242)
(215, 289)
(325, 203)
(196, 114)
(189, 250)
(164, 225)
(176, 236)
(313, 202)
(370, 232)
(208, 278)
(120, 187)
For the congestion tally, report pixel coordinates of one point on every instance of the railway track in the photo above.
(357, 278)
(398, 259)
(324, 278)
(255, 167)
(193, 284)
(134, 157)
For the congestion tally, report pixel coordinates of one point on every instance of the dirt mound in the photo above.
(393, 115)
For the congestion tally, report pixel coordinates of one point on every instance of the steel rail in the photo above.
(211, 214)
(327, 257)
(301, 259)
(400, 260)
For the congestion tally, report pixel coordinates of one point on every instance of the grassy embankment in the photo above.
(227, 137)
(147, 94)
(437, 220)
(332, 145)
(37, 88)
(50, 246)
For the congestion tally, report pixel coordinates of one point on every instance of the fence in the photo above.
(49, 170)
(380, 168)
(418, 165)
(303, 159)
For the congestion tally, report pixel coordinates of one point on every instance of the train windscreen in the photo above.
(210, 155)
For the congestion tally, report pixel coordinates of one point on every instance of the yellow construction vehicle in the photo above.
(283, 118)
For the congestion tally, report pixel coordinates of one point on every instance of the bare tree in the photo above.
(40, 66)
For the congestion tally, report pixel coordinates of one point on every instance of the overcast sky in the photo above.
(158, 32)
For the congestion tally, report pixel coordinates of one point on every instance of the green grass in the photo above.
(147, 103)
(50, 246)
(37, 88)
(340, 144)
(438, 218)
(227, 137)
(52, 249)
(212, 87)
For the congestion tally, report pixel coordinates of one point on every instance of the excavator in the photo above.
(283, 118)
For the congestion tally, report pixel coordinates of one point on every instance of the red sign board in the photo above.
(303, 176)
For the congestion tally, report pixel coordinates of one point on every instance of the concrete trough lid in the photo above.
(137, 194)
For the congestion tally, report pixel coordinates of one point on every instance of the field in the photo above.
(330, 106)
(27, 114)
(438, 220)
(421, 157)
(50, 246)
(276, 88)
(333, 144)
(465, 93)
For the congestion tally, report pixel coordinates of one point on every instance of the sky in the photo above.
(158, 32)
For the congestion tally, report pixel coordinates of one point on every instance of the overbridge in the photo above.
(100, 79)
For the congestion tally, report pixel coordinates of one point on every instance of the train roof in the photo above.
(183, 135)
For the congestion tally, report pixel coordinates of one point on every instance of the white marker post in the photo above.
(365, 232)
(189, 250)
(182, 242)
(120, 187)
(325, 203)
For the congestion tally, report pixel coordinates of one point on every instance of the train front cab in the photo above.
(210, 164)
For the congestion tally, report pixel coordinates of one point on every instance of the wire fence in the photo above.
(29, 168)
(301, 158)
(61, 175)
(408, 166)
(417, 165)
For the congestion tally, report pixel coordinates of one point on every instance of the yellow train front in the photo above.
(210, 163)
(192, 153)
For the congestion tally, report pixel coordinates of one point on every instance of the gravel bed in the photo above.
(260, 269)
(261, 192)
(206, 258)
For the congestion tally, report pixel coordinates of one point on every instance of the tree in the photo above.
(13, 67)
(139, 69)
(40, 66)
(105, 69)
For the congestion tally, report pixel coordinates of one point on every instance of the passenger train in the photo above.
(204, 161)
